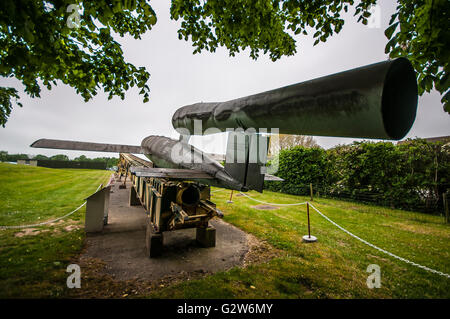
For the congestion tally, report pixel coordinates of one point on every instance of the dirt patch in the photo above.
(59, 222)
(114, 263)
(386, 260)
(96, 283)
(30, 232)
(71, 227)
(259, 251)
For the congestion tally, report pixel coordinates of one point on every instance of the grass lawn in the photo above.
(335, 266)
(34, 265)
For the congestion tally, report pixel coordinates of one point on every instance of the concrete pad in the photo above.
(122, 245)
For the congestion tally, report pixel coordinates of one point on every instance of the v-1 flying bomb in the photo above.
(374, 101)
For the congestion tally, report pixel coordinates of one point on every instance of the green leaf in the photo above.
(390, 30)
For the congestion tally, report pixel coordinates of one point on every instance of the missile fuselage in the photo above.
(376, 101)
(169, 153)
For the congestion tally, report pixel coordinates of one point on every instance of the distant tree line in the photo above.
(288, 141)
(412, 175)
(110, 161)
(5, 157)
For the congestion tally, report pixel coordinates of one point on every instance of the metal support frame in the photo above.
(166, 211)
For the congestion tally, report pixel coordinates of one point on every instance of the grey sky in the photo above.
(179, 78)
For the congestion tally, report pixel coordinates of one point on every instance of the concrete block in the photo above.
(206, 236)
(97, 207)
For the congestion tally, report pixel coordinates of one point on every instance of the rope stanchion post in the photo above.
(309, 227)
(308, 238)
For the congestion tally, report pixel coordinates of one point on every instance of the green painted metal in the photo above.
(374, 101)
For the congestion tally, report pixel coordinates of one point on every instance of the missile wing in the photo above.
(86, 146)
(180, 160)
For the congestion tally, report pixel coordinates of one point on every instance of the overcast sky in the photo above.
(179, 78)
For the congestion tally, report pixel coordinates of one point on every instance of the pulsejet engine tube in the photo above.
(375, 101)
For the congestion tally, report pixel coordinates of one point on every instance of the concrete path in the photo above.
(122, 245)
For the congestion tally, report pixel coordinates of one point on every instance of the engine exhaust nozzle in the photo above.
(375, 101)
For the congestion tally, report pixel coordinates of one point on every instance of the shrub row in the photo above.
(412, 175)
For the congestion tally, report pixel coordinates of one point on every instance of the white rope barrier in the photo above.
(49, 221)
(356, 237)
(380, 249)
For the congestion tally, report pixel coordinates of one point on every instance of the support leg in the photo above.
(153, 241)
(124, 185)
(134, 200)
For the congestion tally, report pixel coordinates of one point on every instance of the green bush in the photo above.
(300, 166)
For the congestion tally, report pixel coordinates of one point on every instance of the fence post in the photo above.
(311, 191)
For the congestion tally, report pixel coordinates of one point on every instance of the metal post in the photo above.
(308, 238)
(309, 227)
(445, 197)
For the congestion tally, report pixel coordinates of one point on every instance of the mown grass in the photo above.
(34, 265)
(335, 266)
